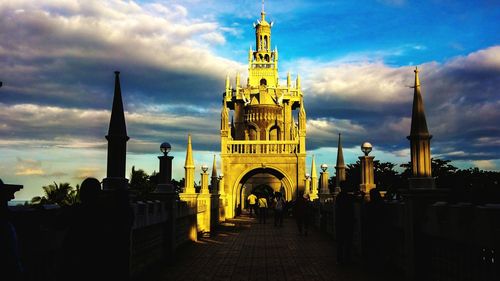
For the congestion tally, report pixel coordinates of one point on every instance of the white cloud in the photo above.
(488, 165)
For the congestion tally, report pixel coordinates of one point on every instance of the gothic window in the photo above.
(265, 42)
(274, 133)
(263, 82)
(266, 57)
(252, 133)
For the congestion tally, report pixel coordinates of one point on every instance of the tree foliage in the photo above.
(62, 194)
(471, 185)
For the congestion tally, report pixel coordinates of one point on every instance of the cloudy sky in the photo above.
(356, 62)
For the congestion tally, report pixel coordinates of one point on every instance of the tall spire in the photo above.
(418, 121)
(189, 169)
(214, 168)
(117, 136)
(340, 153)
(314, 173)
(117, 123)
(419, 140)
(340, 167)
(314, 180)
(189, 154)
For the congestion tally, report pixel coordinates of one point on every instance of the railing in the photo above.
(262, 147)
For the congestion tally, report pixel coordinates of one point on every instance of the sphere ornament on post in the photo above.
(324, 167)
(366, 147)
(367, 170)
(204, 168)
(165, 174)
(165, 148)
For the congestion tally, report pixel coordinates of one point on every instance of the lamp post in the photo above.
(307, 189)
(165, 175)
(324, 179)
(367, 172)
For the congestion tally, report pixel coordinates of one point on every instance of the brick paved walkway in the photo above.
(246, 250)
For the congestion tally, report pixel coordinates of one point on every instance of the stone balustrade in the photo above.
(262, 147)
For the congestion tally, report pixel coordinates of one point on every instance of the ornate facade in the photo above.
(263, 128)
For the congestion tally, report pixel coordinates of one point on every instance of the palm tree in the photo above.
(62, 194)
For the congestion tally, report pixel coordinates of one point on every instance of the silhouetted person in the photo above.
(262, 202)
(344, 224)
(373, 221)
(301, 212)
(83, 245)
(10, 262)
(279, 208)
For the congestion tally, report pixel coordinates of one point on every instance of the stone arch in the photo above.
(273, 126)
(254, 130)
(248, 173)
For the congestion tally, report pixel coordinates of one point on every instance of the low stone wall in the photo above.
(158, 230)
(434, 241)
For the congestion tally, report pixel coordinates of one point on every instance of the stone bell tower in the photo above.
(264, 147)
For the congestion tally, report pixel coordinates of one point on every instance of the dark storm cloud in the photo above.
(64, 54)
(461, 99)
(58, 61)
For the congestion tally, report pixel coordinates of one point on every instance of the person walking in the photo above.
(252, 202)
(344, 224)
(301, 212)
(279, 207)
(262, 209)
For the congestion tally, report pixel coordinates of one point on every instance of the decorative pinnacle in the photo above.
(189, 154)
(313, 168)
(214, 169)
(263, 13)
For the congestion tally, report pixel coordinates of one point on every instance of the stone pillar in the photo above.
(307, 184)
(222, 198)
(367, 174)
(165, 192)
(205, 200)
(204, 183)
(323, 179)
(165, 175)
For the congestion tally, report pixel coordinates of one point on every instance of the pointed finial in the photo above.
(340, 153)
(117, 124)
(313, 168)
(214, 169)
(189, 154)
(418, 120)
(288, 80)
(417, 80)
(297, 82)
(263, 13)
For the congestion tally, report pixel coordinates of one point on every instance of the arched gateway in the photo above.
(262, 147)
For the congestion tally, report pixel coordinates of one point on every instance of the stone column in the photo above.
(165, 175)
(205, 201)
(367, 174)
(324, 192)
(307, 184)
(204, 183)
